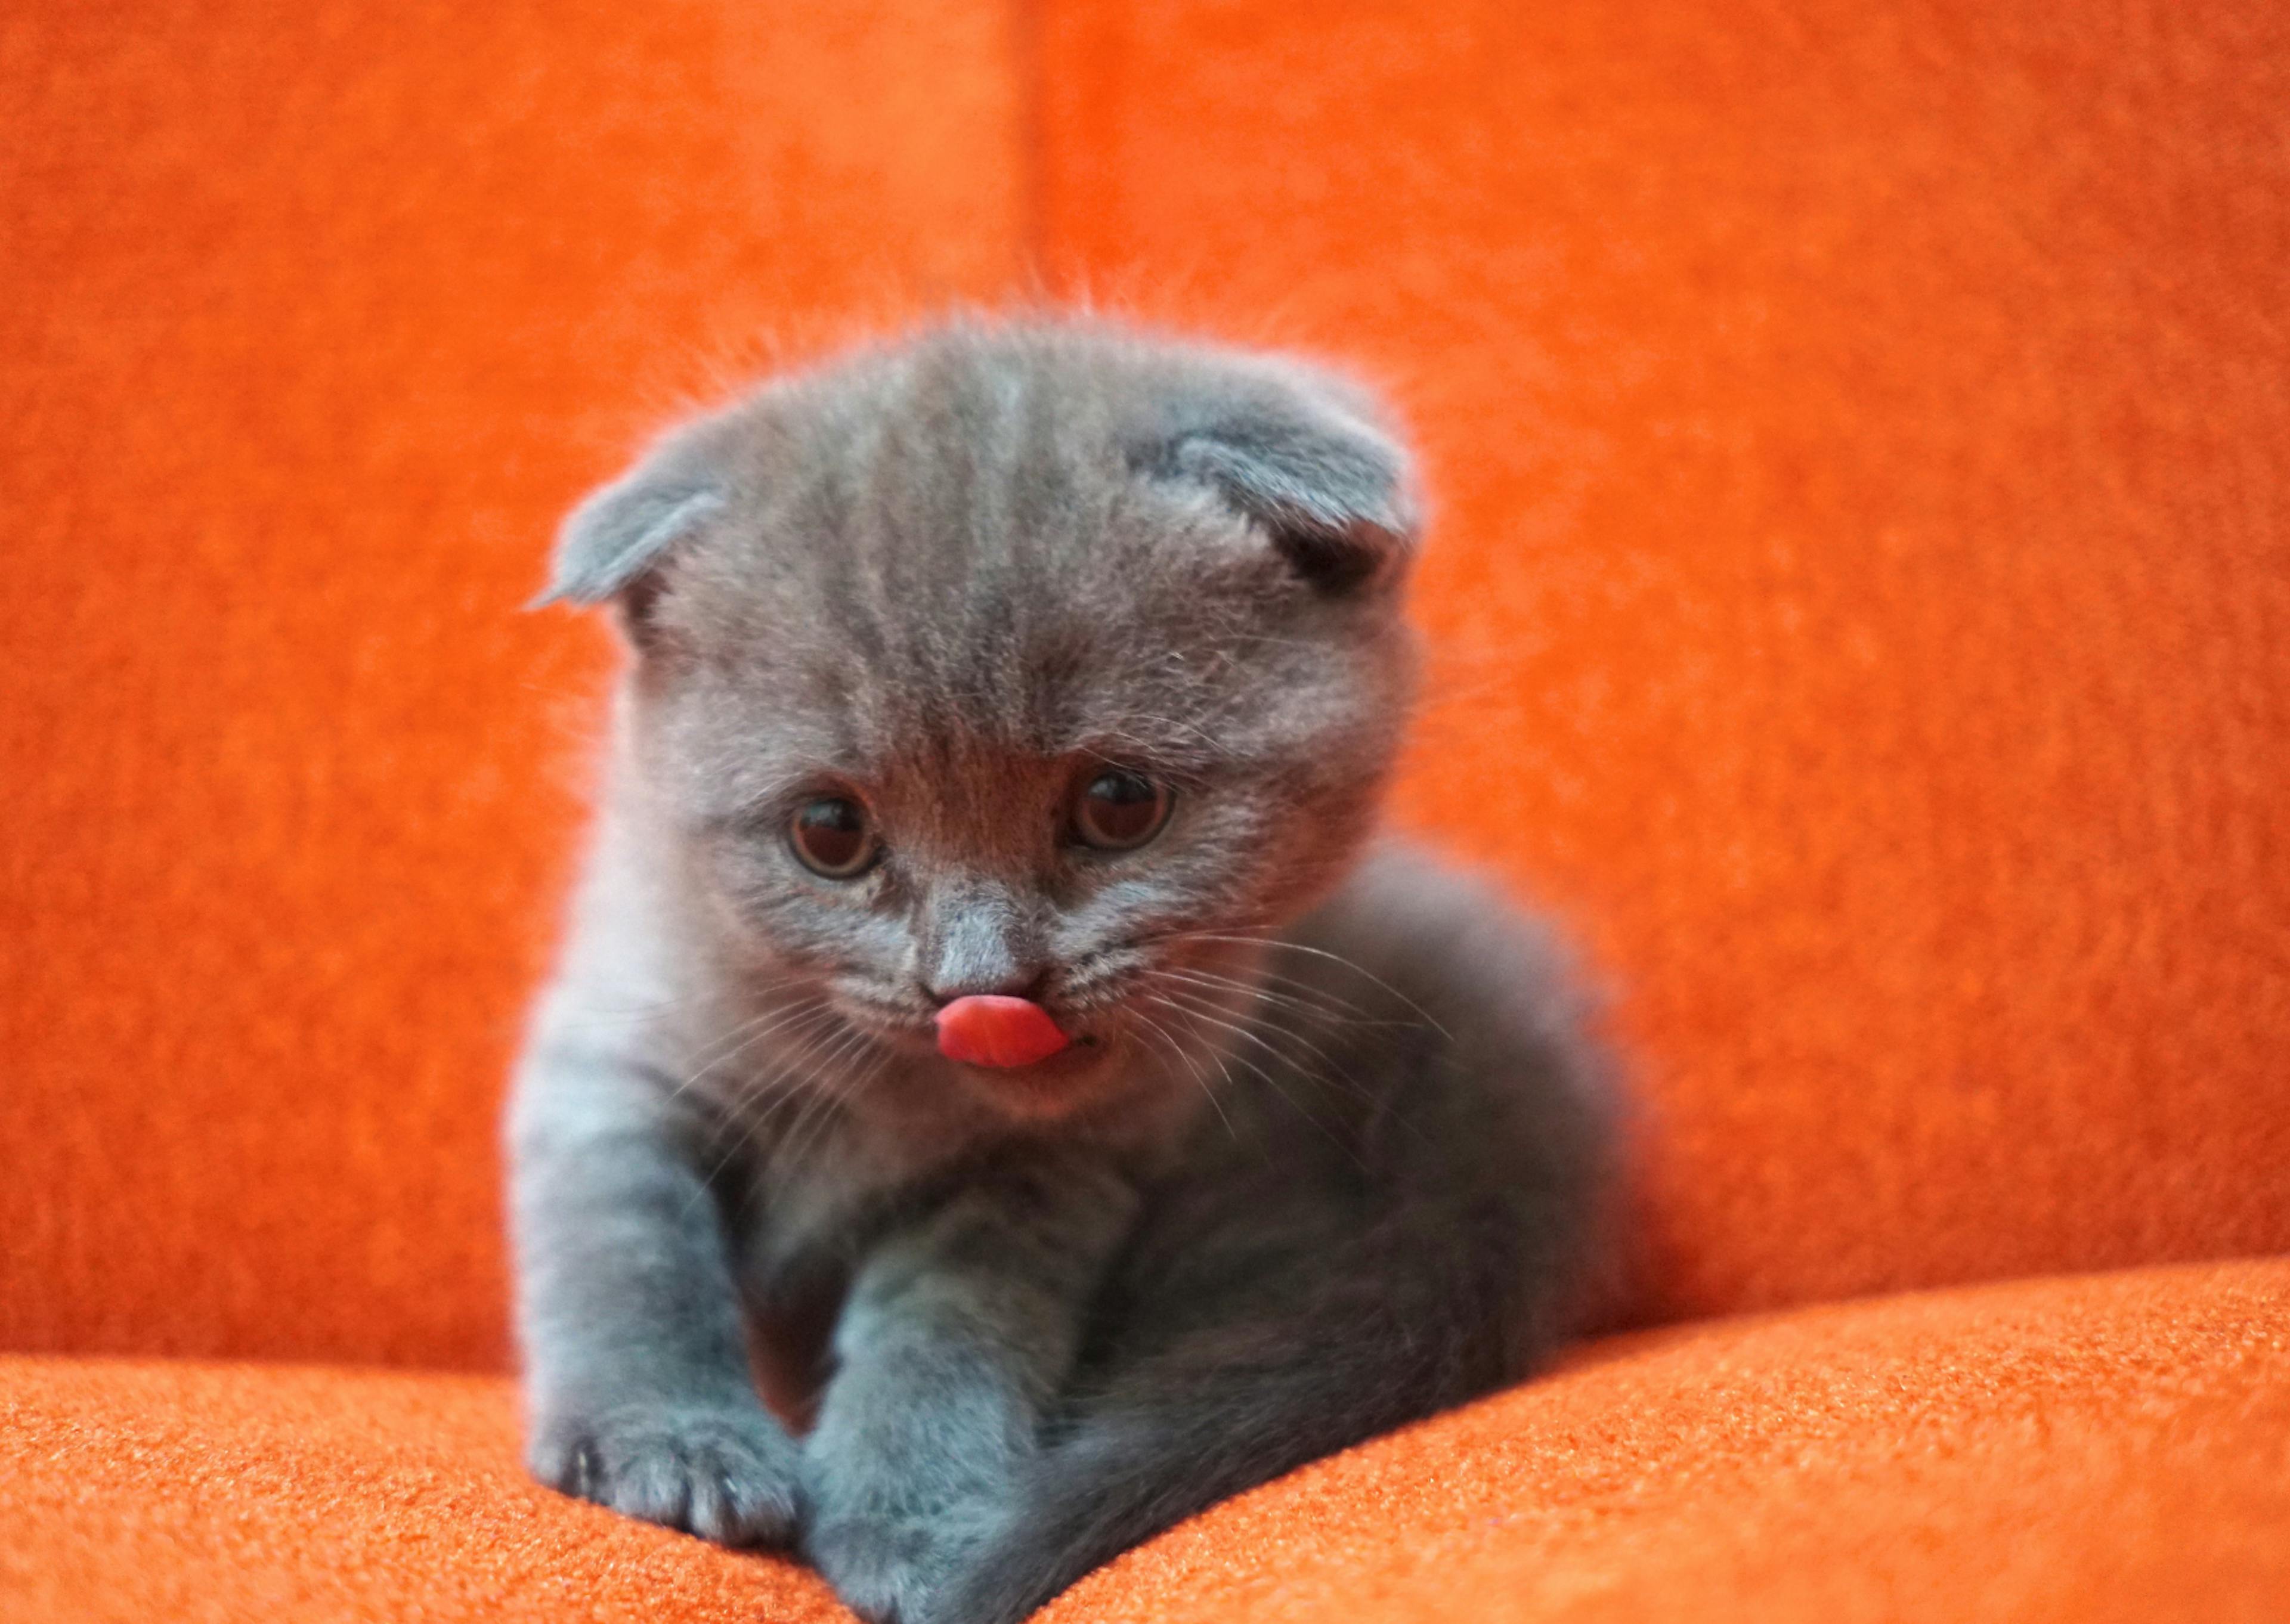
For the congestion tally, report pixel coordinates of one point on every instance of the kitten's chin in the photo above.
(1071, 1080)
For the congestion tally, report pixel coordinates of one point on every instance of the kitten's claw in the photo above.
(725, 1472)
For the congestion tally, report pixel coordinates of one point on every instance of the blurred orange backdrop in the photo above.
(1859, 589)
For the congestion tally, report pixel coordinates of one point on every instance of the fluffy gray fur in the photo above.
(1329, 1153)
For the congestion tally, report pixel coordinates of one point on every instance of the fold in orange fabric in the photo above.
(2106, 1448)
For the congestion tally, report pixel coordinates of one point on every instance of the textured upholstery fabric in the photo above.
(2106, 1448)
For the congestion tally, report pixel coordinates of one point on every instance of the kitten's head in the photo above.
(1037, 660)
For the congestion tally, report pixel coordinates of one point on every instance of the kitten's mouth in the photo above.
(1003, 1033)
(980, 1031)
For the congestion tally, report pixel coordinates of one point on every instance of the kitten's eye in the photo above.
(832, 837)
(1119, 810)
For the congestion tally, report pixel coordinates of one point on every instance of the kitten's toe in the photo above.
(885, 1571)
(890, 1569)
(1030, 1554)
(722, 1472)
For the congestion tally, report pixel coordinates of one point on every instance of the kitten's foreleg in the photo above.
(1247, 1355)
(952, 1345)
(1223, 1410)
(637, 1381)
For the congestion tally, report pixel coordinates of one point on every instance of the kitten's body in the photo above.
(1327, 1150)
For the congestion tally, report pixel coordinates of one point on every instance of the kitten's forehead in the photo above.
(986, 492)
(954, 540)
(994, 550)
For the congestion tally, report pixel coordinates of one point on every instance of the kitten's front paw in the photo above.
(897, 1570)
(1011, 1579)
(885, 1572)
(725, 1472)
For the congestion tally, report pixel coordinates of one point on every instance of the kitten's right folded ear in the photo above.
(1300, 455)
(612, 542)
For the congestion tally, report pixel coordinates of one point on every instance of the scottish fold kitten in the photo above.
(987, 1019)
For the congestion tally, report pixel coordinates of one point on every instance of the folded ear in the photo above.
(1329, 489)
(616, 535)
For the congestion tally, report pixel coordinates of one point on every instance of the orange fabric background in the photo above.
(1861, 584)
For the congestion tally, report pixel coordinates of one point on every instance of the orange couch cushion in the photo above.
(2100, 1448)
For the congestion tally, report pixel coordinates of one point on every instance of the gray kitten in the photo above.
(985, 1021)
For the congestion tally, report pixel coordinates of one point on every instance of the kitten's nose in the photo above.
(977, 942)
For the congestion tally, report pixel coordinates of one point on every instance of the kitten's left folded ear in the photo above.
(620, 531)
(1332, 490)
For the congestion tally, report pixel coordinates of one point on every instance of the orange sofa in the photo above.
(1860, 602)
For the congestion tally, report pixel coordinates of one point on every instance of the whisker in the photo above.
(1302, 1072)
(715, 1048)
(748, 1033)
(1213, 1051)
(1376, 1102)
(1322, 1004)
(1200, 1076)
(766, 1088)
(1272, 977)
(751, 1102)
(1271, 1081)
(1334, 958)
(783, 1085)
(814, 1124)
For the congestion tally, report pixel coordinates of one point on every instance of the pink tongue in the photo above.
(987, 1030)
